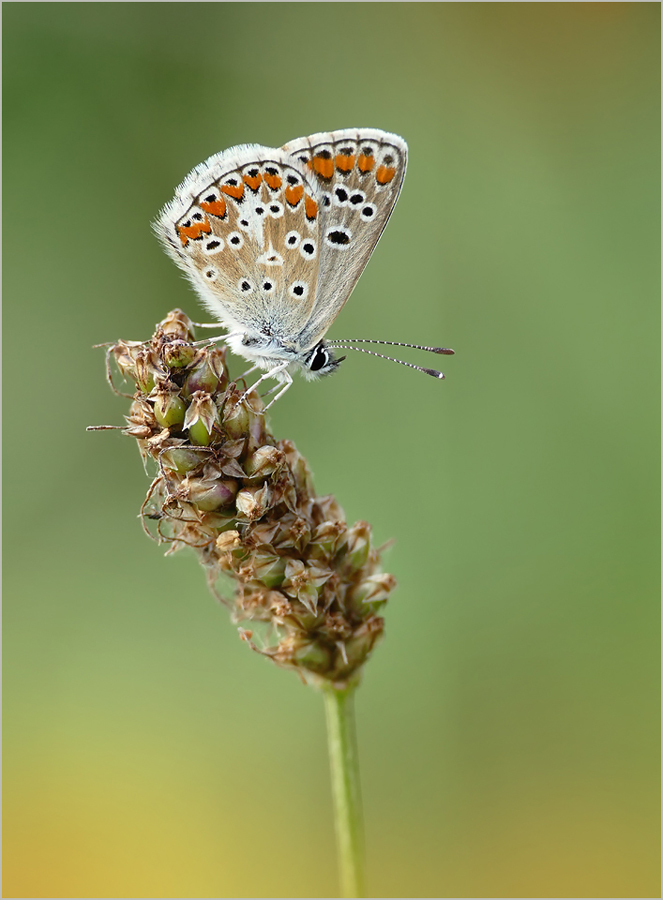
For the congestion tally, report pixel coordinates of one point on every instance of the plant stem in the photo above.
(344, 763)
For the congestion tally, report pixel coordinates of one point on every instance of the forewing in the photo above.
(359, 173)
(244, 227)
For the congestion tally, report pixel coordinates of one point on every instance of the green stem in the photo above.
(344, 762)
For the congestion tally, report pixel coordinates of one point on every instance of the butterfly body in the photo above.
(274, 240)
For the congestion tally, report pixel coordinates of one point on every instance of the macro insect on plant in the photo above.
(274, 241)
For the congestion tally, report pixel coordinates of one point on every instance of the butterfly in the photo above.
(274, 241)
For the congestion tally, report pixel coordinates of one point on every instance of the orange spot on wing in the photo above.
(273, 181)
(311, 207)
(236, 191)
(215, 207)
(385, 174)
(253, 181)
(294, 194)
(365, 163)
(344, 163)
(194, 231)
(323, 166)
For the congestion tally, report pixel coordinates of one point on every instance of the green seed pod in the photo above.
(292, 531)
(219, 520)
(299, 469)
(199, 434)
(373, 591)
(326, 540)
(207, 374)
(235, 415)
(264, 462)
(256, 423)
(359, 546)
(147, 372)
(202, 419)
(244, 418)
(270, 570)
(177, 324)
(169, 410)
(304, 581)
(253, 502)
(178, 354)
(208, 495)
(312, 656)
(182, 459)
(358, 647)
(124, 353)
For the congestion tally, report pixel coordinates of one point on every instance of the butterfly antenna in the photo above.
(401, 362)
(337, 341)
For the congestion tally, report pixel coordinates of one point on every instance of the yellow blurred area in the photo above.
(139, 838)
(509, 723)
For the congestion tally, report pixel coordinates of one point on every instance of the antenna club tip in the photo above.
(444, 350)
(433, 372)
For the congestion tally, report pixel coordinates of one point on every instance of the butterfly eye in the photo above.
(319, 359)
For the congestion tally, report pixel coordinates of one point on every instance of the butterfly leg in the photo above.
(206, 342)
(216, 338)
(277, 370)
(266, 394)
(248, 372)
(280, 393)
(271, 391)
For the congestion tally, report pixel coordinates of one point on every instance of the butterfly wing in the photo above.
(359, 173)
(274, 240)
(244, 228)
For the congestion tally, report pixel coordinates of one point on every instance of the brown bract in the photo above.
(247, 506)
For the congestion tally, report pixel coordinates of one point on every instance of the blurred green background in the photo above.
(508, 725)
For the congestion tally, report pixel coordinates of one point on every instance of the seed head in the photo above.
(246, 505)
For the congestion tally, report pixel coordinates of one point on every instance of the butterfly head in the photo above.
(320, 361)
(267, 352)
